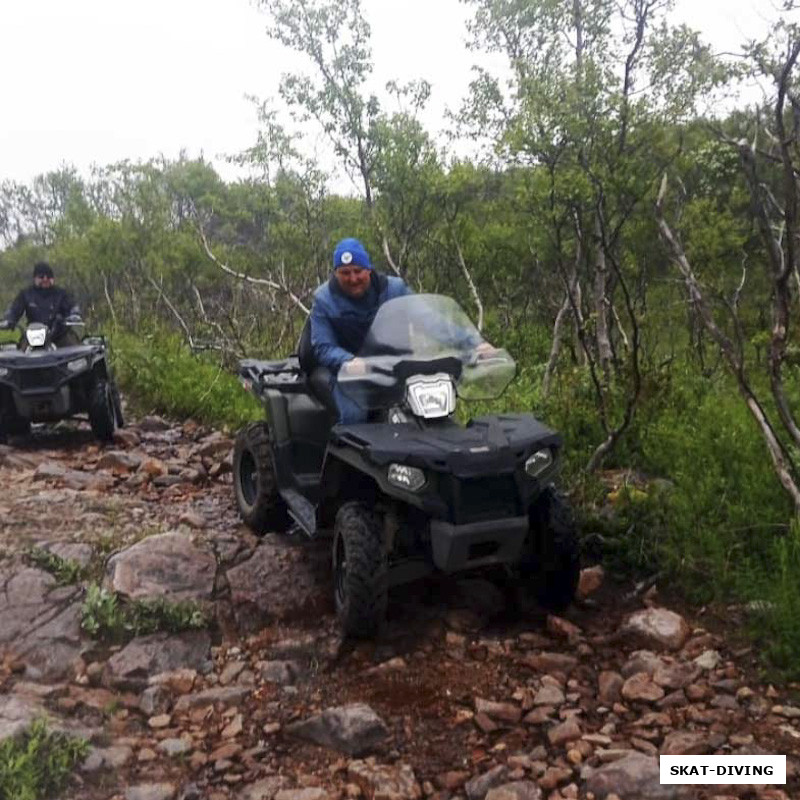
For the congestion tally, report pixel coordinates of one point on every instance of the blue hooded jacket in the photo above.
(339, 324)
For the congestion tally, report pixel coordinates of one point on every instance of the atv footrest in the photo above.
(477, 544)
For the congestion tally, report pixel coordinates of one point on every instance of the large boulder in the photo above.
(166, 565)
(40, 622)
(280, 583)
(52, 651)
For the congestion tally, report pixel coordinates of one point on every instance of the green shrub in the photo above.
(38, 763)
(160, 374)
(159, 614)
(104, 616)
(101, 614)
(65, 570)
(772, 590)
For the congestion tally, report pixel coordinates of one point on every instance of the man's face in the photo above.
(43, 281)
(353, 281)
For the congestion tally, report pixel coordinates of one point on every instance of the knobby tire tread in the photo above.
(268, 512)
(367, 595)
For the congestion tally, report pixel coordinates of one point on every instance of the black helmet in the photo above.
(42, 270)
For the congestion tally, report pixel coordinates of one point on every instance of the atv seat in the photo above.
(319, 377)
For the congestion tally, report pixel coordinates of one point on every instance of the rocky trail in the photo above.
(462, 697)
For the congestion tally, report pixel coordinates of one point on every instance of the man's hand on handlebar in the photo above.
(354, 368)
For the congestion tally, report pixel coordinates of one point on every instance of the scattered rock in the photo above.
(311, 793)
(685, 743)
(355, 729)
(549, 695)
(107, 758)
(591, 579)
(265, 789)
(119, 462)
(160, 652)
(657, 627)
(477, 788)
(635, 775)
(708, 660)
(640, 687)
(284, 673)
(609, 687)
(383, 782)
(506, 712)
(223, 697)
(568, 731)
(151, 791)
(519, 790)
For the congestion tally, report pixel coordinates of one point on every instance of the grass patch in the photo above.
(160, 374)
(38, 763)
(104, 616)
(65, 570)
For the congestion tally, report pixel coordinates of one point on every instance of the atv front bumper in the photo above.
(477, 544)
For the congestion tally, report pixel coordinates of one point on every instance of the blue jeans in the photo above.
(350, 413)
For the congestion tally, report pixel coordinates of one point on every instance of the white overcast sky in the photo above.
(96, 81)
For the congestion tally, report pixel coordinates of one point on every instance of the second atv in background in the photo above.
(42, 383)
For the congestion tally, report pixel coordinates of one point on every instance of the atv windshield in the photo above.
(424, 334)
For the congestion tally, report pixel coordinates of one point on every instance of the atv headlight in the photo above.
(539, 462)
(36, 336)
(406, 477)
(431, 396)
(3, 372)
(78, 364)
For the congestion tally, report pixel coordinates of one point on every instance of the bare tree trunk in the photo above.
(572, 300)
(397, 271)
(782, 267)
(555, 347)
(604, 353)
(108, 299)
(471, 283)
(780, 462)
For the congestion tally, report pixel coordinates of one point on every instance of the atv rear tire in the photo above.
(102, 416)
(360, 568)
(260, 506)
(552, 557)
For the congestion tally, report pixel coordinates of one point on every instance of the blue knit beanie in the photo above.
(351, 253)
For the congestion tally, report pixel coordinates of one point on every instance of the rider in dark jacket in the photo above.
(44, 302)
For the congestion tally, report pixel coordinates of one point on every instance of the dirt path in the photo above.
(459, 697)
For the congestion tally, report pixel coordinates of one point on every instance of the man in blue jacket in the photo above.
(342, 314)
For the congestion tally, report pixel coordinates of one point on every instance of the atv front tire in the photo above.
(12, 425)
(360, 568)
(552, 557)
(102, 416)
(260, 506)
